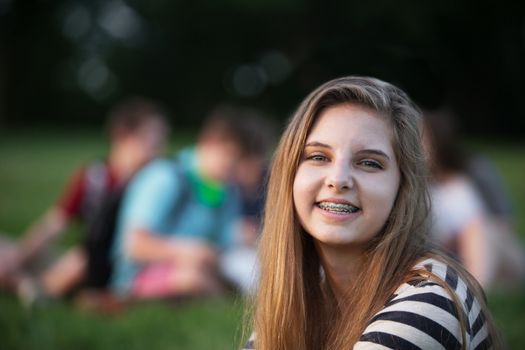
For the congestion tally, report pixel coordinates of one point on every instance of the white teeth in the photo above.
(337, 207)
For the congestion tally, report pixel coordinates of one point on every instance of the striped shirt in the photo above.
(422, 315)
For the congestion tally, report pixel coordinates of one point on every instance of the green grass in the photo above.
(34, 165)
(209, 324)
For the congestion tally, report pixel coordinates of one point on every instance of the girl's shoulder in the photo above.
(422, 314)
(250, 343)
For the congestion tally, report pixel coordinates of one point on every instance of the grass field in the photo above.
(33, 166)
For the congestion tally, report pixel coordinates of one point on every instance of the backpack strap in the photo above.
(185, 190)
(96, 182)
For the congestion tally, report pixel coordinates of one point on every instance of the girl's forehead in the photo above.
(352, 123)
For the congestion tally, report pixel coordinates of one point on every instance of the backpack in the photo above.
(103, 223)
(100, 230)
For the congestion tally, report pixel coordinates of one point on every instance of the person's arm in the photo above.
(36, 239)
(478, 257)
(42, 233)
(53, 222)
(148, 206)
(147, 247)
(56, 219)
(474, 235)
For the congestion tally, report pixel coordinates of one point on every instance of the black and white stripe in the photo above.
(423, 316)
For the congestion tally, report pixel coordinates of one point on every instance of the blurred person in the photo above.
(472, 214)
(179, 214)
(137, 131)
(239, 263)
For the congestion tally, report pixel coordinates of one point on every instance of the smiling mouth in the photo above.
(337, 208)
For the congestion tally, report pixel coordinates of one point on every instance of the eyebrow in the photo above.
(376, 152)
(317, 144)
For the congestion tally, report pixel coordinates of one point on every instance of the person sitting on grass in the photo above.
(179, 214)
(472, 214)
(239, 264)
(137, 130)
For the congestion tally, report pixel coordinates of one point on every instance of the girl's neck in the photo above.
(341, 266)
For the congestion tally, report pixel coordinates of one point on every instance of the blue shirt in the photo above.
(162, 199)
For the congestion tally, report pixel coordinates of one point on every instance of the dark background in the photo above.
(64, 62)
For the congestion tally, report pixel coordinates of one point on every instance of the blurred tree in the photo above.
(66, 61)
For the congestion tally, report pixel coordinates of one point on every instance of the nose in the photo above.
(340, 177)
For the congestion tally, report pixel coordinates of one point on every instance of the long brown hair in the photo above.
(294, 309)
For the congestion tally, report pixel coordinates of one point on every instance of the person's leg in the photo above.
(164, 280)
(64, 274)
(240, 267)
(194, 280)
(8, 262)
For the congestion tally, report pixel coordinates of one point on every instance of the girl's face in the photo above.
(348, 177)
